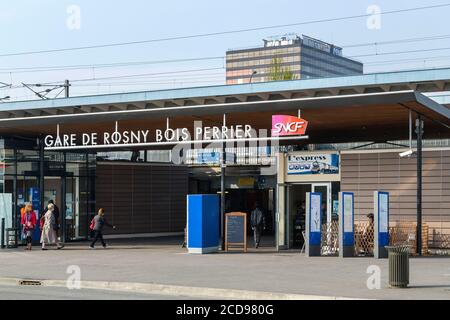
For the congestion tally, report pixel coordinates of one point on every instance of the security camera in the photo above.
(406, 153)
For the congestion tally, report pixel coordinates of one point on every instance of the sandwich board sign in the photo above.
(236, 230)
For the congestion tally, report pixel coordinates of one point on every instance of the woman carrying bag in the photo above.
(28, 222)
(97, 224)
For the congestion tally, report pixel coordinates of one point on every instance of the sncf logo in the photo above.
(288, 126)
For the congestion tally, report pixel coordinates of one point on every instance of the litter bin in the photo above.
(398, 265)
(12, 237)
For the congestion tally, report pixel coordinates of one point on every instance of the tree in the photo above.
(278, 72)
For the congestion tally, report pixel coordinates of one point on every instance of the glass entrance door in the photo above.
(325, 190)
(295, 204)
(73, 221)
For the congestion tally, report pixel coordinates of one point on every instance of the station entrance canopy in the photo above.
(377, 117)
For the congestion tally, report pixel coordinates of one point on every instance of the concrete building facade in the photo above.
(302, 57)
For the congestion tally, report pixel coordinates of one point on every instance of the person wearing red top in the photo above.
(28, 222)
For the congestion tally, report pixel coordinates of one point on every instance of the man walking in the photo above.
(257, 224)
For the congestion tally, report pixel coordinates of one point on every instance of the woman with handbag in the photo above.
(97, 224)
(48, 232)
(28, 222)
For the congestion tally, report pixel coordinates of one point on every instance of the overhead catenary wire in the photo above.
(398, 41)
(203, 35)
(399, 52)
(422, 59)
(181, 73)
(218, 68)
(157, 80)
(139, 75)
(35, 69)
(179, 78)
(166, 74)
(103, 65)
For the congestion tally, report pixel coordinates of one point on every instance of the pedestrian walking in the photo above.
(56, 226)
(97, 224)
(48, 232)
(257, 224)
(28, 222)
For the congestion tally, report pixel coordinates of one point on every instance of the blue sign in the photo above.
(36, 203)
(214, 157)
(208, 157)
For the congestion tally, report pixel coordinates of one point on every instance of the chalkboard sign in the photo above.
(236, 230)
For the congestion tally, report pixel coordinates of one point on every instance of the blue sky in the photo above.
(29, 25)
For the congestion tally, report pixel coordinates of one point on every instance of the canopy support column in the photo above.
(222, 186)
(419, 132)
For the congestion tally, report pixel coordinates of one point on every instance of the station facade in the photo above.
(139, 154)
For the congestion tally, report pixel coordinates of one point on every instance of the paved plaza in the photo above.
(164, 262)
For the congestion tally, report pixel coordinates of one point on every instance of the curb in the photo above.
(174, 290)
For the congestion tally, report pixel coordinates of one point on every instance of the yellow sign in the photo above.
(246, 182)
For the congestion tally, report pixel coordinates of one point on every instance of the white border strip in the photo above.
(198, 106)
(400, 149)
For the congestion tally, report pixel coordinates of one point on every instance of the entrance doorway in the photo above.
(296, 208)
(243, 200)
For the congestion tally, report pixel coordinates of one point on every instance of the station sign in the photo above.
(286, 125)
(313, 163)
(282, 125)
(136, 137)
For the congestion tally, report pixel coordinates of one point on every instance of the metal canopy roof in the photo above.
(358, 117)
(422, 80)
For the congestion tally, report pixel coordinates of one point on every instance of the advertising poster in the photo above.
(348, 212)
(383, 212)
(315, 213)
(313, 164)
(6, 208)
(335, 207)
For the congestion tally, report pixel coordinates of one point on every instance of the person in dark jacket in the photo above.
(98, 223)
(257, 224)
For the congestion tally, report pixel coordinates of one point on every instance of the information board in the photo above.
(348, 212)
(313, 224)
(381, 224)
(236, 230)
(316, 212)
(346, 224)
(383, 212)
